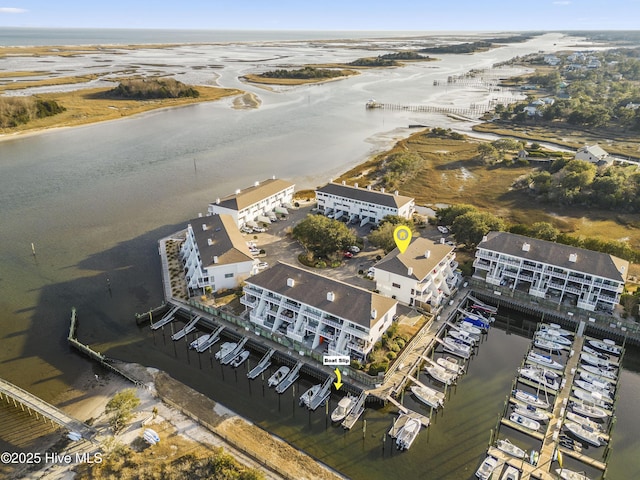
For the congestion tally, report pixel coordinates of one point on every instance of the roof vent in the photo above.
(204, 227)
(374, 313)
(210, 241)
(355, 185)
(382, 190)
(255, 184)
(573, 257)
(368, 187)
(218, 201)
(215, 259)
(485, 238)
(442, 240)
(199, 214)
(343, 182)
(273, 177)
(290, 282)
(331, 296)
(238, 192)
(526, 246)
(427, 253)
(409, 271)
(396, 193)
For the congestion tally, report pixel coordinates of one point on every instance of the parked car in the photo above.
(443, 230)
(259, 229)
(347, 255)
(354, 249)
(263, 265)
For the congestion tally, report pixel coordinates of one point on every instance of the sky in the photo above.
(392, 15)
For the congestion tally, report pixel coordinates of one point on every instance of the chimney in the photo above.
(343, 182)
(199, 214)
(442, 240)
(238, 192)
(409, 271)
(273, 177)
(355, 185)
(396, 193)
(573, 257)
(427, 253)
(209, 241)
(382, 190)
(204, 227)
(331, 296)
(290, 282)
(368, 187)
(484, 238)
(215, 259)
(218, 201)
(525, 247)
(255, 184)
(374, 313)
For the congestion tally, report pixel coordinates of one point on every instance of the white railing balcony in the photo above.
(586, 305)
(493, 279)
(332, 349)
(311, 314)
(575, 290)
(481, 264)
(248, 303)
(537, 292)
(332, 323)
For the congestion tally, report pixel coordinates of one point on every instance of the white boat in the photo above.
(544, 360)
(588, 410)
(486, 468)
(596, 361)
(507, 447)
(596, 353)
(524, 421)
(603, 372)
(450, 364)
(510, 473)
(464, 337)
(531, 399)
(201, 340)
(74, 436)
(441, 374)
(607, 345)
(532, 412)
(597, 380)
(544, 335)
(151, 437)
(225, 349)
(428, 396)
(278, 376)
(344, 407)
(407, 434)
(543, 377)
(548, 345)
(571, 475)
(579, 419)
(306, 397)
(240, 358)
(470, 329)
(555, 329)
(455, 346)
(585, 432)
(592, 387)
(593, 398)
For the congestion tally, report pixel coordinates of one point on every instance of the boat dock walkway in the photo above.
(188, 328)
(263, 364)
(168, 318)
(228, 358)
(325, 390)
(403, 418)
(34, 405)
(355, 413)
(213, 338)
(288, 381)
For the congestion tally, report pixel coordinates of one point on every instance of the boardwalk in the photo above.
(25, 400)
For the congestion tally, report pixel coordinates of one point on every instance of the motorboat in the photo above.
(593, 387)
(240, 358)
(510, 473)
(150, 436)
(603, 372)
(479, 306)
(543, 377)
(278, 376)
(596, 353)
(305, 398)
(477, 322)
(408, 433)
(597, 380)
(531, 399)
(588, 410)
(596, 361)
(198, 342)
(579, 419)
(428, 396)
(464, 337)
(571, 475)
(593, 398)
(225, 349)
(544, 335)
(457, 347)
(344, 407)
(586, 433)
(470, 329)
(450, 364)
(441, 374)
(607, 345)
(544, 360)
(524, 421)
(555, 329)
(532, 412)
(549, 345)
(486, 468)
(507, 447)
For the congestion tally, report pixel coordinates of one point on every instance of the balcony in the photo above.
(312, 314)
(248, 302)
(333, 323)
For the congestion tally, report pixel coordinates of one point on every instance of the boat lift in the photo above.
(234, 353)
(168, 318)
(355, 413)
(213, 338)
(188, 328)
(322, 395)
(263, 364)
(288, 381)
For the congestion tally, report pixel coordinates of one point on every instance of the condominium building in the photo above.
(215, 254)
(363, 205)
(258, 203)
(423, 276)
(317, 312)
(559, 273)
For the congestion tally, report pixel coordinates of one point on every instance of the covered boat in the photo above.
(544, 335)
(603, 372)
(593, 387)
(463, 336)
(596, 361)
(593, 398)
(455, 346)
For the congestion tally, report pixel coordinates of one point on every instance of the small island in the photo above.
(150, 88)
(307, 74)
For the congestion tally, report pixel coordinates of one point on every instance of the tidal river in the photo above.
(94, 200)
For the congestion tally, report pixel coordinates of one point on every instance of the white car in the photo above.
(442, 229)
(354, 249)
(263, 265)
(259, 229)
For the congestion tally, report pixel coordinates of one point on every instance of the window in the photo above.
(228, 275)
(396, 285)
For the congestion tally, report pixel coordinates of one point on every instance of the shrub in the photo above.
(378, 367)
(391, 355)
(321, 264)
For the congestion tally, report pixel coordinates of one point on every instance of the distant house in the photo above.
(551, 60)
(532, 111)
(256, 203)
(422, 276)
(215, 254)
(632, 106)
(363, 205)
(594, 154)
(548, 100)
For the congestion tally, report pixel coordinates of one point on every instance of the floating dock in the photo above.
(288, 381)
(263, 364)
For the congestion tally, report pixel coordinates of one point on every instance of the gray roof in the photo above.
(365, 195)
(415, 258)
(220, 238)
(586, 261)
(351, 303)
(252, 195)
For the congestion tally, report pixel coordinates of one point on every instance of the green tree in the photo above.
(120, 408)
(505, 145)
(472, 226)
(323, 236)
(446, 216)
(488, 153)
(383, 236)
(544, 231)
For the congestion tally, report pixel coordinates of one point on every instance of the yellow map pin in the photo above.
(402, 237)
